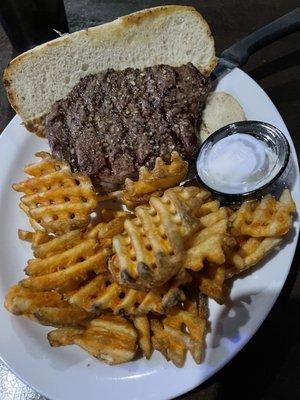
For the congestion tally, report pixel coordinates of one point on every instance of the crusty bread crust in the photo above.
(23, 77)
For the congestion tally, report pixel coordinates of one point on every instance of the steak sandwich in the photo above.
(114, 97)
(114, 122)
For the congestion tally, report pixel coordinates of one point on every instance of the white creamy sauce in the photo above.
(237, 164)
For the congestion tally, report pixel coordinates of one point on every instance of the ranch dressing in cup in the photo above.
(242, 159)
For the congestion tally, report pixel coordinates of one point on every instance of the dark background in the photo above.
(269, 366)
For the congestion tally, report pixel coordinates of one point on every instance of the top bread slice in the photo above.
(173, 35)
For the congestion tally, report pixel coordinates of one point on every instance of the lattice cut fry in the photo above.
(161, 177)
(57, 245)
(69, 269)
(209, 242)
(142, 326)
(111, 339)
(34, 224)
(258, 228)
(56, 261)
(36, 238)
(47, 308)
(105, 231)
(54, 197)
(266, 218)
(25, 235)
(212, 283)
(181, 331)
(247, 253)
(102, 293)
(210, 249)
(177, 213)
(150, 250)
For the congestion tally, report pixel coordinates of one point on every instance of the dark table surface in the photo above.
(269, 365)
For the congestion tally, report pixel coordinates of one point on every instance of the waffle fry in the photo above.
(248, 253)
(35, 238)
(150, 251)
(142, 326)
(105, 231)
(111, 339)
(265, 218)
(181, 331)
(34, 224)
(47, 308)
(54, 257)
(147, 266)
(57, 245)
(68, 269)
(212, 283)
(54, 197)
(162, 176)
(102, 293)
(258, 228)
(210, 249)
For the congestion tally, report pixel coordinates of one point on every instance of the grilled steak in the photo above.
(113, 122)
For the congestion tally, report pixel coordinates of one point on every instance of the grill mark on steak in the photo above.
(113, 122)
(171, 125)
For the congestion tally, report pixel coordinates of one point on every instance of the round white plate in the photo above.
(70, 373)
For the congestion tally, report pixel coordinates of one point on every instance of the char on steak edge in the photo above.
(113, 122)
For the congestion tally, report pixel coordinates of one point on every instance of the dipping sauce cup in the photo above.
(257, 161)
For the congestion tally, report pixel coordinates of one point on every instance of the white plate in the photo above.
(69, 372)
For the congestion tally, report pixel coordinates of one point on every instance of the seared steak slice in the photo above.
(113, 122)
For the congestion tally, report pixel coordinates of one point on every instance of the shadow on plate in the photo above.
(268, 366)
(235, 314)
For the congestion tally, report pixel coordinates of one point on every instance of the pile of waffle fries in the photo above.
(129, 282)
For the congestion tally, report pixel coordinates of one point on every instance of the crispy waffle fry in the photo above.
(54, 197)
(65, 251)
(150, 251)
(53, 256)
(35, 238)
(258, 227)
(212, 283)
(162, 176)
(34, 224)
(109, 338)
(64, 336)
(57, 245)
(209, 242)
(210, 249)
(47, 308)
(147, 265)
(248, 253)
(181, 331)
(141, 263)
(142, 326)
(25, 235)
(67, 270)
(265, 218)
(105, 231)
(102, 293)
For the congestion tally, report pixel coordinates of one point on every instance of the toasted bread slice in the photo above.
(220, 110)
(173, 35)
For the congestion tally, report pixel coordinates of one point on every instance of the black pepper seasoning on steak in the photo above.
(113, 122)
